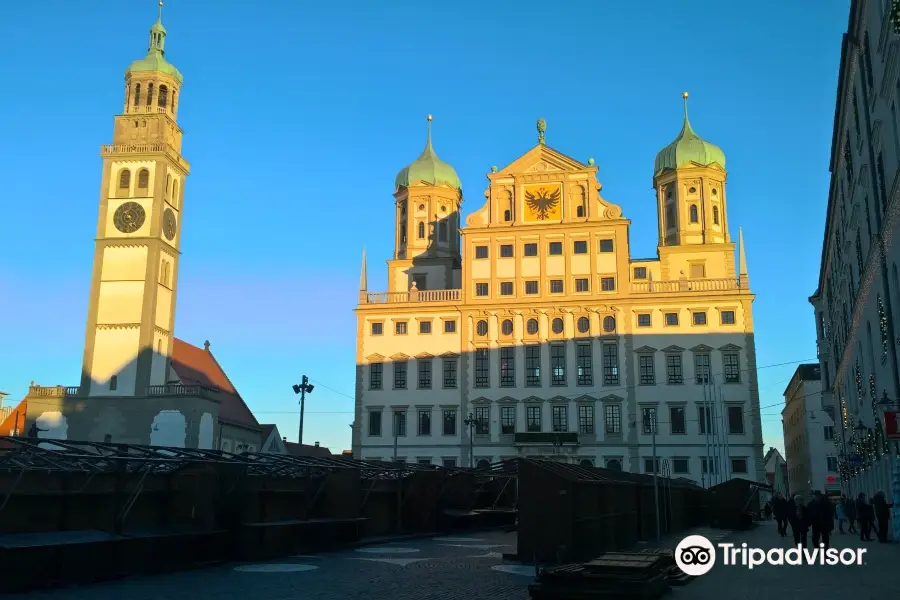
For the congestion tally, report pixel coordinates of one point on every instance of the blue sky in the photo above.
(298, 117)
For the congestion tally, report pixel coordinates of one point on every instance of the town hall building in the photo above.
(530, 329)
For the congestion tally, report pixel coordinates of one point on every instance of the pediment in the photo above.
(374, 358)
(559, 399)
(729, 348)
(399, 356)
(541, 159)
(645, 350)
(585, 398)
(481, 400)
(673, 348)
(533, 399)
(612, 398)
(701, 348)
(424, 355)
(507, 400)
(449, 355)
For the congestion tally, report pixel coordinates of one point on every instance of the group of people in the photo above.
(818, 513)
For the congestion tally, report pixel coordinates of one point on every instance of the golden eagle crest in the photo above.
(542, 202)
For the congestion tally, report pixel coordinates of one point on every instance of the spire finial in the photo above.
(363, 275)
(541, 129)
(160, 11)
(428, 147)
(687, 123)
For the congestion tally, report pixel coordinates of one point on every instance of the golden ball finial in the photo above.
(684, 95)
(429, 117)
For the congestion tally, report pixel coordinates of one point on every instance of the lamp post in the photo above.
(471, 422)
(303, 388)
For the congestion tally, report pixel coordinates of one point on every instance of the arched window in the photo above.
(442, 231)
(173, 100)
(694, 216)
(421, 231)
(586, 463)
(124, 179)
(143, 180)
(403, 232)
(168, 186)
(163, 96)
(137, 94)
(579, 211)
(715, 215)
(149, 94)
(614, 464)
(483, 464)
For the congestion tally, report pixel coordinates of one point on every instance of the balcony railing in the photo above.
(54, 391)
(180, 390)
(133, 110)
(685, 285)
(132, 148)
(546, 437)
(418, 296)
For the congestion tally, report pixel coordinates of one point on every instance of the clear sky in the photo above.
(298, 115)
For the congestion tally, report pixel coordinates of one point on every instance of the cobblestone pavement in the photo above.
(877, 579)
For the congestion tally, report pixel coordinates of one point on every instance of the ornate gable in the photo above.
(541, 159)
(729, 348)
(701, 349)
(645, 350)
(673, 348)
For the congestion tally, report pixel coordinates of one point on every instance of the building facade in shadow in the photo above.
(531, 329)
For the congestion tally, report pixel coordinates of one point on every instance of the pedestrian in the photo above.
(780, 510)
(799, 519)
(821, 518)
(865, 514)
(768, 511)
(850, 511)
(840, 514)
(882, 513)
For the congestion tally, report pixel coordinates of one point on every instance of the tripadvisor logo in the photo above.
(695, 555)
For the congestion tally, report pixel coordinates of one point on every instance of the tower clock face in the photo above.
(170, 226)
(129, 217)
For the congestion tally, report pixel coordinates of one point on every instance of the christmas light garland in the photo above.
(883, 325)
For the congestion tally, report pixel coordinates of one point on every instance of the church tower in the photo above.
(428, 198)
(131, 314)
(689, 179)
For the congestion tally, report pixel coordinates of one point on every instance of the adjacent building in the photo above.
(776, 471)
(809, 434)
(139, 383)
(531, 330)
(857, 302)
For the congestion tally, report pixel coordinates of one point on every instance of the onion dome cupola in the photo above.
(688, 148)
(428, 169)
(155, 60)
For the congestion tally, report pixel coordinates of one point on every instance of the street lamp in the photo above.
(471, 422)
(303, 388)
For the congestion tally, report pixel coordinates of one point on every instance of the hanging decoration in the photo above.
(873, 394)
(883, 326)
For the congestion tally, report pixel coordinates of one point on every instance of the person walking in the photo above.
(780, 510)
(821, 518)
(799, 520)
(840, 514)
(850, 512)
(882, 514)
(865, 515)
(768, 511)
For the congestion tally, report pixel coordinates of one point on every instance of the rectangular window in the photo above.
(676, 419)
(533, 418)
(507, 366)
(831, 464)
(425, 422)
(698, 270)
(507, 420)
(449, 462)
(680, 466)
(482, 420)
(647, 369)
(557, 365)
(732, 367)
(560, 419)
(713, 464)
(606, 245)
(608, 284)
(532, 366)
(643, 320)
(506, 288)
(425, 327)
(400, 375)
(704, 416)
(648, 419)
(610, 364)
(377, 328)
(506, 251)
(425, 461)
(375, 423)
(727, 317)
(481, 289)
(424, 374)
(699, 318)
(449, 373)
(585, 418)
(400, 424)
(671, 319)
(400, 328)
(449, 421)
(530, 249)
(738, 465)
(531, 287)
(613, 418)
(829, 432)
(585, 361)
(554, 249)
(648, 465)
(701, 368)
(481, 251)
(674, 373)
(375, 376)
(556, 286)
(581, 285)
(450, 326)
(482, 368)
(579, 247)
(735, 420)
(640, 272)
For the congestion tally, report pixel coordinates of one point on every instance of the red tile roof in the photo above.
(295, 449)
(15, 420)
(198, 366)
